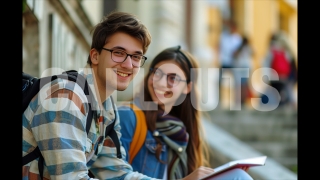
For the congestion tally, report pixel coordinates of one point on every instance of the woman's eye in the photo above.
(173, 77)
(157, 73)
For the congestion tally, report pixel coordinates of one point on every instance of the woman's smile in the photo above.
(160, 93)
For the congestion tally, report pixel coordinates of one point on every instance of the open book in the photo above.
(250, 162)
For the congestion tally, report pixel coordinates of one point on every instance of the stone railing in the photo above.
(224, 148)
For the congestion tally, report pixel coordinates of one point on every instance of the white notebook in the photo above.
(250, 162)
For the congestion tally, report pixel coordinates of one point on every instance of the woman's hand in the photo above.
(202, 171)
(245, 168)
(199, 173)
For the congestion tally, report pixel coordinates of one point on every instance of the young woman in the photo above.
(174, 146)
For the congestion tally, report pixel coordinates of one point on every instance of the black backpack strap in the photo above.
(112, 133)
(89, 119)
(34, 155)
(81, 81)
(31, 156)
(40, 166)
(115, 139)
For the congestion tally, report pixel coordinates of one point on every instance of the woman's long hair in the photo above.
(187, 111)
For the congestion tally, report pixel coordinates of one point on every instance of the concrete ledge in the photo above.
(228, 148)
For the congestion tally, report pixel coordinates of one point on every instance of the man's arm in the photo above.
(59, 129)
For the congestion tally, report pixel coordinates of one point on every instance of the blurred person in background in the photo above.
(281, 59)
(293, 75)
(174, 145)
(243, 59)
(230, 40)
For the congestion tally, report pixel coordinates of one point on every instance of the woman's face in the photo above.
(166, 83)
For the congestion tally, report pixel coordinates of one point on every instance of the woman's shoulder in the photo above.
(127, 115)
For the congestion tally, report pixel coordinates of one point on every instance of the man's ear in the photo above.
(94, 54)
(188, 88)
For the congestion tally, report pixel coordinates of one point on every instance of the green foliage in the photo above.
(24, 4)
(294, 169)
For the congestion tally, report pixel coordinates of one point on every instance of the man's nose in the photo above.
(127, 62)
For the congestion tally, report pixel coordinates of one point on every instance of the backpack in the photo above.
(139, 134)
(280, 63)
(31, 86)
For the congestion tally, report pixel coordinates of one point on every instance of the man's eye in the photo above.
(119, 53)
(136, 57)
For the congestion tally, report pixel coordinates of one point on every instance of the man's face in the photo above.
(113, 75)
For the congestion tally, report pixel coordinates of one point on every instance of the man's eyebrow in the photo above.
(119, 47)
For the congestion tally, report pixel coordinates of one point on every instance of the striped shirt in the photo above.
(55, 120)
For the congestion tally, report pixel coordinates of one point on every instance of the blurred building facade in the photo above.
(56, 33)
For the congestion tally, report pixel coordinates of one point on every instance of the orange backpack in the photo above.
(139, 134)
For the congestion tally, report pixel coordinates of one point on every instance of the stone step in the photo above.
(276, 149)
(259, 133)
(289, 162)
(225, 147)
(272, 133)
(273, 113)
(269, 120)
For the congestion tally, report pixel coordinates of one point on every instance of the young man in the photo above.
(55, 119)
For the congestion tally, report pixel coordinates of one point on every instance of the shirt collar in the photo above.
(87, 72)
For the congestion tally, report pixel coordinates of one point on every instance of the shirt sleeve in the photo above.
(59, 130)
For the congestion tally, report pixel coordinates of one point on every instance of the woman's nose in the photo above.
(163, 80)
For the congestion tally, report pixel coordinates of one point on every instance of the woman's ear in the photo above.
(94, 54)
(188, 88)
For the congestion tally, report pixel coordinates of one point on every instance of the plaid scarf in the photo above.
(174, 134)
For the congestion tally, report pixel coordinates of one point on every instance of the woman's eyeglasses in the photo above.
(172, 79)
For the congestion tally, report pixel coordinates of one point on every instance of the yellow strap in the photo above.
(139, 134)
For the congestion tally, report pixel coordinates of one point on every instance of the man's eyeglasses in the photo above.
(172, 79)
(119, 56)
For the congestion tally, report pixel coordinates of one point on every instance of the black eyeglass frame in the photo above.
(153, 70)
(143, 58)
